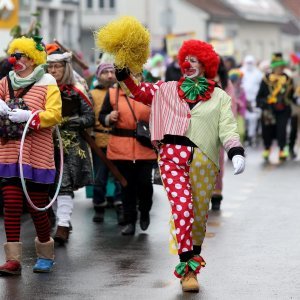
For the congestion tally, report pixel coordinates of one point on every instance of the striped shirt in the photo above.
(208, 125)
(38, 151)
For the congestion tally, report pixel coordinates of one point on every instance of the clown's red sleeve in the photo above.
(144, 92)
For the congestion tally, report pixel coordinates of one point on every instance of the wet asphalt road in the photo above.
(252, 248)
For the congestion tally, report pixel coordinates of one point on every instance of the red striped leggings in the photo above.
(13, 206)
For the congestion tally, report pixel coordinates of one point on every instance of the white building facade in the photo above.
(159, 16)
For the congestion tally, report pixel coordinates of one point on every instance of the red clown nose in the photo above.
(186, 65)
(12, 60)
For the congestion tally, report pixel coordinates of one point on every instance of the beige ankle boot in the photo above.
(13, 253)
(44, 250)
(190, 283)
(45, 254)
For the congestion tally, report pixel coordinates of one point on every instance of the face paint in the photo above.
(19, 67)
(191, 67)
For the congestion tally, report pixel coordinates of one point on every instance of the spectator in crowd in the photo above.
(106, 78)
(134, 161)
(274, 97)
(251, 80)
(77, 113)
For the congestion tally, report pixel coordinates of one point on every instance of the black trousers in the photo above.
(277, 131)
(139, 189)
(293, 132)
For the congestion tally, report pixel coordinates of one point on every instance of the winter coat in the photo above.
(121, 147)
(77, 115)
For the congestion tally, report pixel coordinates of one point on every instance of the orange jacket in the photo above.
(128, 148)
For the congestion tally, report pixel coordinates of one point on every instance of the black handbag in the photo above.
(8, 129)
(142, 131)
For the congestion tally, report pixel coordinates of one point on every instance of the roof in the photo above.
(290, 28)
(292, 6)
(258, 10)
(215, 8)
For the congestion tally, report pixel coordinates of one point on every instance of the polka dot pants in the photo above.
(202, 175)
(174, 169)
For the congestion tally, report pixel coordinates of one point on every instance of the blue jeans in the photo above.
(102, 172)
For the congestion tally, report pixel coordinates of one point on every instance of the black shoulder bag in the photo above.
(8, 129)
(142, 133)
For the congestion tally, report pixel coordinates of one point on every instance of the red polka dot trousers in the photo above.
(174, 163)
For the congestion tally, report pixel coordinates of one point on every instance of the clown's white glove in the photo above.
(19, 115)
(4, 109)
(238, 162)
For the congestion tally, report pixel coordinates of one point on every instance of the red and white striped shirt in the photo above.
(169, 114)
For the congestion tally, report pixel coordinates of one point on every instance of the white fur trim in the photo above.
(47, 79)
(59, 57)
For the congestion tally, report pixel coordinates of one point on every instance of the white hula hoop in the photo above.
(21, 165)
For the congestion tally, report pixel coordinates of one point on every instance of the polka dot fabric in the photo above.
(174, 169)
(203, 174)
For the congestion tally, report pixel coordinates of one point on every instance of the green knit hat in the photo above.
(277, 60)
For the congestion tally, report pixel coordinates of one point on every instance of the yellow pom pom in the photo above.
(127, 40)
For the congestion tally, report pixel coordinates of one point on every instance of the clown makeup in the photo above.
(192, 67)
(22, 64)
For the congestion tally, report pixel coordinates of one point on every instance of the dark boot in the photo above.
(129, 229)
(62, 235)
(293, 154)
(156, 177)
(216, 202)
(99, 214)
(144, 220)
(120, 214)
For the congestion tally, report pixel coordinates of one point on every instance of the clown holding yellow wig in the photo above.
(25, 90)
(190, 120)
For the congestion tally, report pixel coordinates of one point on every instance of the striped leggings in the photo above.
(13, 207)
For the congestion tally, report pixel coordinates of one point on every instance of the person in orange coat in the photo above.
(133, 160)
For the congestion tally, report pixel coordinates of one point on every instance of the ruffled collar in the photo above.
(193, 91)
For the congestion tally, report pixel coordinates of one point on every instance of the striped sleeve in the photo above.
(144, 92)
(2, 89)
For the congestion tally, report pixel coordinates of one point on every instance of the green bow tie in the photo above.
(193, 88)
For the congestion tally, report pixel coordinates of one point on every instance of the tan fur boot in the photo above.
(44, 250)
(45, 253)
(13, 253)
(190, 283)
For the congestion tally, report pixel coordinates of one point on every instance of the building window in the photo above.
(101, 4)
(106, 4)
(112, 4)
(89, 3)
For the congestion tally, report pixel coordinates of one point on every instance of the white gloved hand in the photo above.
(238, 162)
(19, 115)
(4, 109)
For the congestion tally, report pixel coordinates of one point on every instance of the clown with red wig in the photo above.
(190, 120)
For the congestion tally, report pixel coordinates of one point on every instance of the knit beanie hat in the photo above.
(102, 67)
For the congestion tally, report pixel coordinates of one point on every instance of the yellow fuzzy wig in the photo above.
(28, 47)
(127, 40)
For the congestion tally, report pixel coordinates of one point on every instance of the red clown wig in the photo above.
(205, 54)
